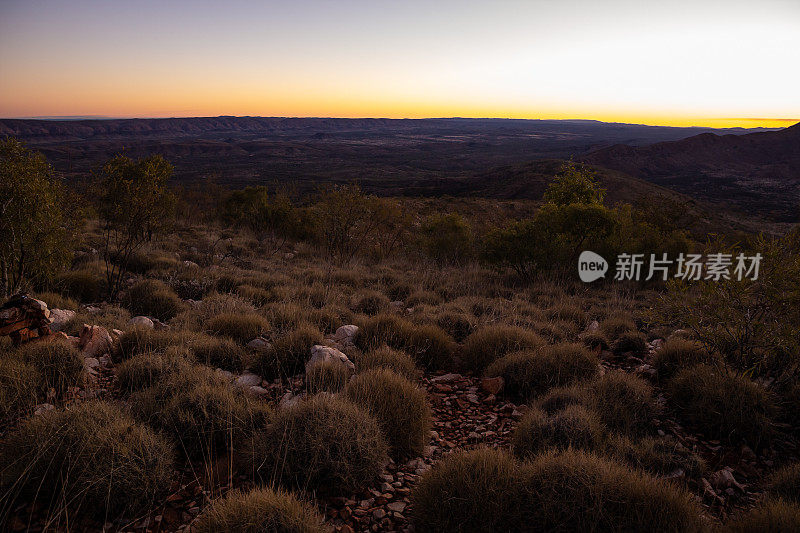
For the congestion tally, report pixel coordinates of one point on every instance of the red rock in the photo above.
(493, 385)
(95, 341)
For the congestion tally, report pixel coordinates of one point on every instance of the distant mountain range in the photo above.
(757, 172)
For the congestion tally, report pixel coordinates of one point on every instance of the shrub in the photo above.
(400, 408)
(785, 483)
(369, 302)
(771, 515)
(723, 406)
(154, 298)
(557, 399)
(428, 345)
(536, 371)
(58, 363)
(326, 376)
(569, 312)
(200, 410)
(325, 443)
(469, 491)
(259, 296)
(288, 354)
(86, 285)
(614, 326)
(93, 457)
(457, 324)
(240, 327)
(57, 301)
(147, 369)
(574, 426)
(625, 403)
(265, 510)
(677, 354)
(660, 456)
(385, 357)
(490, 343)
(143, 340)
(594, 340)
(218, 352)
(446, 237)
(630, 341)
(573, 490)
(18, 386)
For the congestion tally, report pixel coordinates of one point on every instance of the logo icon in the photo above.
(591, 266)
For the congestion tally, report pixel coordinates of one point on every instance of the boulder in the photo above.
(320, 354)
(345, 334)
(141, 322)
(59, 318)
(247, 380)
(94, 341)
(259, 343)
(493, 385)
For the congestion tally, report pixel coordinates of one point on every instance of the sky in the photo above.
(670, 62)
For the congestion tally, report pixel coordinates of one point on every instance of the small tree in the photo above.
(447, 238)
(134, 205)
(36, 225)
(347, 220)
(272, 218)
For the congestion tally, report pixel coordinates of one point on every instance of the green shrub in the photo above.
(469, 491)
(18, 386)
(574, 426)
(151, 297)
(771, 515)
(400, 408)
(369, 302)
(200, 411)
(572, 490)
(288, 354)
(260, 510)
(59, 364)
(240, 327)
(677, 354)
(218, 353)
(326, 376)
(625, 403)
(446, 238)
(85, 285)
(630, 341)
(325, 443)
(723, 406)
(490, 343)
(660, 456)
(147, 369)
(92, 458)
(385, 357)
(785, 483)
(535, 371)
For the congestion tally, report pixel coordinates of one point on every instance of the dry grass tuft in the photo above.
(490, 343)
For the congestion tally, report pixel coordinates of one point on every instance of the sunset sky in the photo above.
(697, 62)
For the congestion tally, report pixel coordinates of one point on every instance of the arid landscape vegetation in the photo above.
(321, 352)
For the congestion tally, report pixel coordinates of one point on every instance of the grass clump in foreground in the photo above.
(240, 327)
(385, 357)
(568, 490)
(288, 354)
(428, 345)
(770, 515)
(326, 376)
(92, 458)
(259, 510)
(785, 483)
(490, 343)
(677, 354)
(535, 371)
(203, 414)
(723, 406)
(59, 364)
(147, 369)
(399, 406)
(18, 386)
(572, 427)
(325, 443)
(151, 297)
